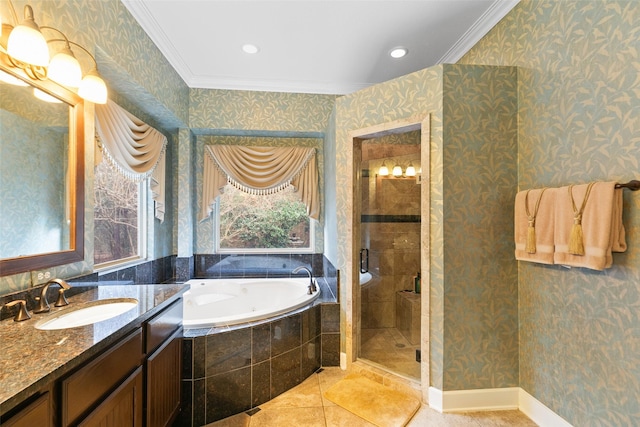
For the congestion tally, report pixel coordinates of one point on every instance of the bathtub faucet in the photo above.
(312, 285)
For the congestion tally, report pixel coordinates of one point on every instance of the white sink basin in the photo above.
(87, 314)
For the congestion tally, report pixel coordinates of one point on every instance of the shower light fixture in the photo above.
(411, 171)
(384, 170)
(27, 49)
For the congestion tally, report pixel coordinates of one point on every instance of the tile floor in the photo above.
(389, 348)
(305, 406)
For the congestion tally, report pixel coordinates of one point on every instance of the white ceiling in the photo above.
(311, 46)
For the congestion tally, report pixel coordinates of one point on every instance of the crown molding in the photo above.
(498, 10)
(140, 12)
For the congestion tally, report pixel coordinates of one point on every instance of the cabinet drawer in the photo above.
(84, 388)
(160, 327)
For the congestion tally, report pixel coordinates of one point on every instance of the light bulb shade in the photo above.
(411, 171)
(65, 69)
(92, 88)
(44, 96)
(26, 43)
(397, 171)
(384, 170)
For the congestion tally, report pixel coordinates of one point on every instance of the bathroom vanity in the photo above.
(122, 371)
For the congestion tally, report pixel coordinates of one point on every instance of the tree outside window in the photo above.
(275, 222)
(117, 217)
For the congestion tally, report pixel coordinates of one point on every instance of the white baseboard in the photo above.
(489, 399)
(494, 399)
(539, 413)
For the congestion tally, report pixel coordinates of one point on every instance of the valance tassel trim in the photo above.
(260, 171)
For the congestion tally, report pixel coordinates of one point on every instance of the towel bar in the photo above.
(631, 185)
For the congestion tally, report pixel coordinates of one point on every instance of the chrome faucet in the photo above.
(43, 304)
(312, 285)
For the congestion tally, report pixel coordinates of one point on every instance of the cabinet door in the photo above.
(37, 413)
(86, 387)
(122, 408)
(163, 382)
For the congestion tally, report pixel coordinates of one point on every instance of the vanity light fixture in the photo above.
(398, 52)
(384, 170)
(27, 49)
(411, 170)
(397, 171)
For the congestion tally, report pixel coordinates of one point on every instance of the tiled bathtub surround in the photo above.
(230, 370)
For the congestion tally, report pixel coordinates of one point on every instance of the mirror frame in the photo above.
(9, 266)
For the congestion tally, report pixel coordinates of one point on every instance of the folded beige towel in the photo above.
(544, 224)
(602, 227)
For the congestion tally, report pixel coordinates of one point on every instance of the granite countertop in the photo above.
(31, 358)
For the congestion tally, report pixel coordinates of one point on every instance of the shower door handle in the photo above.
(364, 260)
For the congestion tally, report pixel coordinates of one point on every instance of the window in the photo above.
(119, 226)
(256, 223)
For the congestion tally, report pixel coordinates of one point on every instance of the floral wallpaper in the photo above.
(472, 176)
(579, 98)
(236, 110)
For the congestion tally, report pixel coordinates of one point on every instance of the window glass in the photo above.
(263, 223)
(118, 217)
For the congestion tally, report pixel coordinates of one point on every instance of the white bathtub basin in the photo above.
(87, 314)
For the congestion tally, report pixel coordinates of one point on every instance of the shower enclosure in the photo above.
(390, 308)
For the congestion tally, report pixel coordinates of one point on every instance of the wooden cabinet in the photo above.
(86, 388)
(122, 408)
(163, 382)
(38, 413)
(135, 382)
(163, 366)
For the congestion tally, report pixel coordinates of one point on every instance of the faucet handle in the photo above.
(62, 300)
(23, 313)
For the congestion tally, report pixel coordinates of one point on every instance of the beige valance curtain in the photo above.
(260, 170)
(133, 148)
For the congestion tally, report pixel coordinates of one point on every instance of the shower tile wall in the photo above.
(390, 229)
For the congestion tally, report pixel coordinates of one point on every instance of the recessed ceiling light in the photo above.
(398, 52)
(250, 48)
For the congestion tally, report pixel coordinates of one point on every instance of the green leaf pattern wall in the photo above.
(579, 121)
(472, 177)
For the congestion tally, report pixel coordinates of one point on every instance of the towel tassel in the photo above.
(576, 245)
(531, 238)
(530, 247)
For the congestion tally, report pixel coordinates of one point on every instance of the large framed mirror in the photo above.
(41, 174)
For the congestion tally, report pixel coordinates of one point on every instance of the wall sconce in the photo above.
(397, 171)
(27, 49)
(384, 170)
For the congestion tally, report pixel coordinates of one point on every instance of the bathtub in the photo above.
(220, 302)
